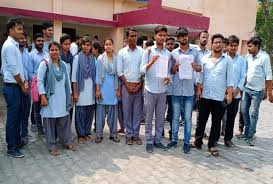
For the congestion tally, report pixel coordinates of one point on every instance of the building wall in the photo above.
(195, 7)
(98, 9)
(226, 16)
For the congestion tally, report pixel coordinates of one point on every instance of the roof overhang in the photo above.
(156, 14)
(55, 16)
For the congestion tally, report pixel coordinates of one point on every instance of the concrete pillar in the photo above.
(117, 35)
(57, 26)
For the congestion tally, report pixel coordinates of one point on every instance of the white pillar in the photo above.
(57, 26)
(117, 35)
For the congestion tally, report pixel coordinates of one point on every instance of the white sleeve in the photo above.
(74, 69)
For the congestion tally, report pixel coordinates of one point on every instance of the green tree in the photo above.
(264, 25)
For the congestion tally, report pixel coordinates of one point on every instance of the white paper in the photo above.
(185, 68)
(162, 66)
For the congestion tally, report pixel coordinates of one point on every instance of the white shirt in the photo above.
(74, 49)
(87, 96)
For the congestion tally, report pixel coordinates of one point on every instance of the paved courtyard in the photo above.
(119, 163)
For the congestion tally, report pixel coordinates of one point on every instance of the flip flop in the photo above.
(214, 151)
(71, 147)
(54, 152)
(98, 140)
(81, 140)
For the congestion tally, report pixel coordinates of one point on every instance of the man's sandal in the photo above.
(54, 152)
(214, 151)
(71, 147)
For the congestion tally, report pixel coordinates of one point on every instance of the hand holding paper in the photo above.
(162, 66)
(185, 67)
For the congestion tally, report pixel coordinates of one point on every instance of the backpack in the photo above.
(34, 93)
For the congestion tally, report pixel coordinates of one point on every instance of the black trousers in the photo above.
(241, 120)
(170, 110)
(169, 115)
(232, 110)
(217, 110)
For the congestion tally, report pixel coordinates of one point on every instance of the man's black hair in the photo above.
(160, 28)
(13, 22)
(217, 36)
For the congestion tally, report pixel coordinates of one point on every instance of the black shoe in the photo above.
(160, 145)
(193, 145)
(186, 148)
(172, 144)
(149, 148)
(22, 145)
(15, 153)
(230, 144)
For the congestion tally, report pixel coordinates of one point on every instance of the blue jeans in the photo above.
(182, 104)
(250, 109)
(12, 94)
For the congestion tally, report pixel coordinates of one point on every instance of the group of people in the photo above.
(133, 86)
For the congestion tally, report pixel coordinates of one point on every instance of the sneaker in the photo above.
(160, 146)
(230, 144)
(172, 144)
(243, 136)
(186, 148)
(15, 154)
(149, 148)
(34, 128)
(22, 145)
(250, 141)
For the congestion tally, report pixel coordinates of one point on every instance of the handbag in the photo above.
(34, 93)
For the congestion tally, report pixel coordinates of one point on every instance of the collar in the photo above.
(224, 55)
(128, 48)
(13, 41)
(258, 54)
(155, 47)
(37, 52)
(187, 51)
(200, 50)
(236, 55)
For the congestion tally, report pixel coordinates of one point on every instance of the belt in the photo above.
(11, 84)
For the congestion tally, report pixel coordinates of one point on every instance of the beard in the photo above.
(217, 51)
(204, 43)
(184, 43)
(39, 47)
